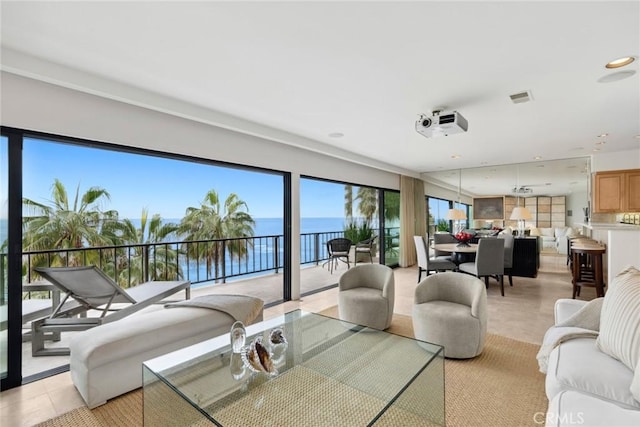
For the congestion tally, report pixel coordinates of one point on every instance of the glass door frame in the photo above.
(13, 377)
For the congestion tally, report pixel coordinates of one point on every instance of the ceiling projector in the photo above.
(441, 124)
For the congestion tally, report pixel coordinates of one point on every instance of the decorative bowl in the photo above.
(463, 238)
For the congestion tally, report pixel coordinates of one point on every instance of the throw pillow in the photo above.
(620, 318)
(534, 232)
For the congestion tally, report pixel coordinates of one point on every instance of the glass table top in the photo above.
(329, 372)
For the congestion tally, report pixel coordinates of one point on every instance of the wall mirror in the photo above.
(565, 177)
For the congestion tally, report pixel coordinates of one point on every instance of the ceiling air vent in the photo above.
(521, 97)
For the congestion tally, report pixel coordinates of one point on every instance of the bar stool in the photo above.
(587, 267)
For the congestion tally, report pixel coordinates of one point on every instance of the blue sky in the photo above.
(164, 186)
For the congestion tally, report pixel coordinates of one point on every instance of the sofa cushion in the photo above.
(572, 408)
(547, 232)
(578, 365)
(620, 318)
(534, 232)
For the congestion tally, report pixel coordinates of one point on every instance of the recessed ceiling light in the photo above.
(455, 156)
(596, 149)
(601, 142)
(537, 158)
(620, 62)
(336, 135)
(602, 135)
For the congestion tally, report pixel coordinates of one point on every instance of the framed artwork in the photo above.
(488, 208)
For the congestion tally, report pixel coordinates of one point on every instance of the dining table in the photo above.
(459, 253)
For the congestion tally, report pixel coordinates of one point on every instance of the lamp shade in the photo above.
(520, 213)
(456, 214)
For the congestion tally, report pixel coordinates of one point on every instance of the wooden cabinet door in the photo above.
(609, 192)
(632, 187)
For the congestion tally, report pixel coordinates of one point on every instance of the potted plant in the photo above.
(358, 232)
(442, 226)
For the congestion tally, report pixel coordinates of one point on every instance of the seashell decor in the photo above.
(258, 358)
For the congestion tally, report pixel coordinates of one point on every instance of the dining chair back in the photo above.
(427, 264)
(489, 261)
(338, 250)
(439, 238)
(508, 255)
(365, 247)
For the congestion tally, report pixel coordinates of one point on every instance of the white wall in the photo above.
(619, 160)
(623, 249)
(575, 202)
(34, 105)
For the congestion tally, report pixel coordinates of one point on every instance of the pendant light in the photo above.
(457, 215)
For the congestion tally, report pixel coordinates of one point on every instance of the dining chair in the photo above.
(508, 254)
(443, 238)
(426, 264)
(489, 261)
(365, 247)
(338, 249)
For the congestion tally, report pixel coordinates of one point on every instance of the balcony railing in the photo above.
(200, 261)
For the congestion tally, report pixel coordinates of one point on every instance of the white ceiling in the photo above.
(297, 71)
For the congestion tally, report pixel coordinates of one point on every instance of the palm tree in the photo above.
(367, 203)
(65, 225)
(211, 222)
(348, 202)
(144, 261)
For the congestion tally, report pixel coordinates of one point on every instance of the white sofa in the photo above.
(106, 361)
(593, 375)
(554, 238)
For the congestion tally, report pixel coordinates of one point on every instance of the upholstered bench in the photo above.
(106, 361)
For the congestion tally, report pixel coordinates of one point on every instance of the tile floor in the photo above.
(524, 313)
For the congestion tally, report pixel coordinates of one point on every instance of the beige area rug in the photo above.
(501, 387)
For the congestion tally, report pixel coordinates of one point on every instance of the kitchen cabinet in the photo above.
(616, 191)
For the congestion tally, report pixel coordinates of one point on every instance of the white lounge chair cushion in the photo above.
(106, 361)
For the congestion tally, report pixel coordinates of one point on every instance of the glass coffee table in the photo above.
(330, 373)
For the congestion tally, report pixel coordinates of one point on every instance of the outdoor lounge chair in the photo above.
(93, 290)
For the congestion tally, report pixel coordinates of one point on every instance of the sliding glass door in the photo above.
(4, 228)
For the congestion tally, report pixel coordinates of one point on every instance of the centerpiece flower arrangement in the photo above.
(463, 238)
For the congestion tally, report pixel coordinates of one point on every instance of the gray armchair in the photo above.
(489, 261)
(450, 309)
(366, 295)
(426, 264)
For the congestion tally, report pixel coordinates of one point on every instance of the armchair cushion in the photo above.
(620, 319)
(635, 383)
(578, 365)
